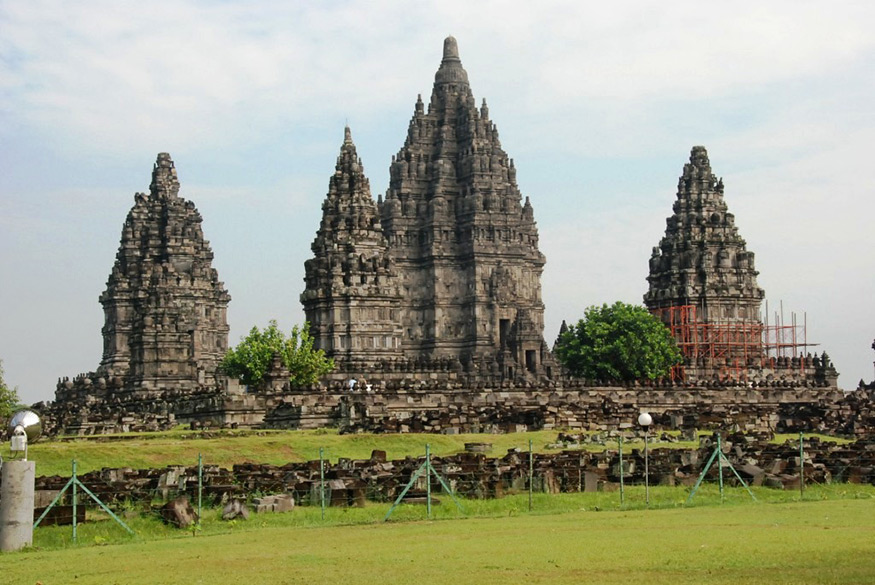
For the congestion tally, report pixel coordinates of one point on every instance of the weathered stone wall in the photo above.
(606, 408)
(454, 405)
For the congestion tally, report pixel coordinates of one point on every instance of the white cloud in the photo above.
(599, 104)
(112, 72)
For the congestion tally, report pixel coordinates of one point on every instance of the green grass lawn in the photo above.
(816, 541)
(827, 537)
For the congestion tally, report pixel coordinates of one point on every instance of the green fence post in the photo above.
(428, 480)
(419, 471)
(622, 495)
(703, 474)
(74, 483)
(531, 473)
(74, 500)
(322, 480)
(720, 466)
(200, 487)
(52, 505)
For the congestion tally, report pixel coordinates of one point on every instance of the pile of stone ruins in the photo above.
(429, 301)
(351, 482)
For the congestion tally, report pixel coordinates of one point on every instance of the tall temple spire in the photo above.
(467, 246)
(446, 268)
(351, 293)
(165, 307)
(703, 285)
(702, 261)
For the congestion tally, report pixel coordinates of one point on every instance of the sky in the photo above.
(598, 103)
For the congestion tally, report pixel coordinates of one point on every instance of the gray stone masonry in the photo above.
(352, 482)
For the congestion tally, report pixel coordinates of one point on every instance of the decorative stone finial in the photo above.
(347, 135)
(699, 158)
(451, 70)
(164, 180)
(451, 49)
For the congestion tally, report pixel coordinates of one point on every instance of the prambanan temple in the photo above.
(445, 271)
(433, 295)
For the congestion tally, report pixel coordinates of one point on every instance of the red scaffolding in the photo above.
(731, 349)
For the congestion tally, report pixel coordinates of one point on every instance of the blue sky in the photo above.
(598, 103)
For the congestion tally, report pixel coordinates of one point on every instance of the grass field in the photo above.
(831, 541)
(828, 537)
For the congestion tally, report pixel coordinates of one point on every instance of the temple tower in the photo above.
(703, 281)
(165, 308)
(465, 242)
(702, 260)
(352, 299)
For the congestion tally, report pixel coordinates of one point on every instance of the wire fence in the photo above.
(180, 494)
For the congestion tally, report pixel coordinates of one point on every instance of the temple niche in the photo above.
(457, 244)
(165, 309)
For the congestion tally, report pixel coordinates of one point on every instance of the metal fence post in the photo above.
(428, 480)
(622, 495)
(322, 480)
(200, 486)
(720, 465)
(531, 474)
(74, 501)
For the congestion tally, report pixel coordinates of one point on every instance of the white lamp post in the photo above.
(645, 420)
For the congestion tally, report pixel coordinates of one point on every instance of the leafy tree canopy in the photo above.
(9, 400)
(251, 359)
(618, 342)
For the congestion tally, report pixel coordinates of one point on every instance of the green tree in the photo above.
(9, 400)
(618, 342)
(250, 360)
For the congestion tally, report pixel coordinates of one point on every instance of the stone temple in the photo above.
(445, 271)
(702, 261)
(165, 309)
(703, 285)
(432, 293)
